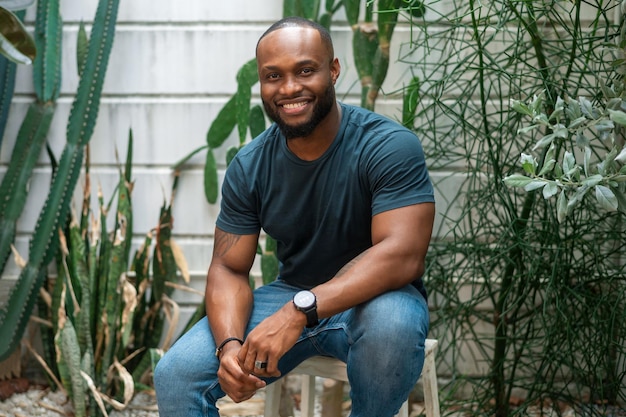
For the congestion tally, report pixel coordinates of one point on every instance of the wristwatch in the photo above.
(306, 302)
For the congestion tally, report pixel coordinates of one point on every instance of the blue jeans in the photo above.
(381, 341)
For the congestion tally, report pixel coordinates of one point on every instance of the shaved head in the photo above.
(295, 21)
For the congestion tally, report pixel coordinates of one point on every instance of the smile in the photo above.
(292, 106)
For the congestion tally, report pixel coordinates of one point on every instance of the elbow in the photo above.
(412, 268)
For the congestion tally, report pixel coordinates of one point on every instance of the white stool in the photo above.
(326, 367)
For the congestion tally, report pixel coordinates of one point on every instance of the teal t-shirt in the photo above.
(320, 211)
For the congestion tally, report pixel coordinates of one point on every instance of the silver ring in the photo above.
(260, 364)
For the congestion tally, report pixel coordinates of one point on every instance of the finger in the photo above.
(260, 365)
(271, 368)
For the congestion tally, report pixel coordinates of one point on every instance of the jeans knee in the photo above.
(395, 315)
(162, 372)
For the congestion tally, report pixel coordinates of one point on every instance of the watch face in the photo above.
(304, 299)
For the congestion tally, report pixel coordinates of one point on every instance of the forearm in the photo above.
(400, 240)
(228, 302)
(228, 296)
(373, 272)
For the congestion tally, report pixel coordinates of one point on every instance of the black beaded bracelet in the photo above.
(221, 346)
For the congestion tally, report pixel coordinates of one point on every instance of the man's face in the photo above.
(297, 75)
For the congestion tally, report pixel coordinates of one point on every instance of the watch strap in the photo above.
(311, 316)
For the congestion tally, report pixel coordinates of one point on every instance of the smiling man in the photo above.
(346, 194)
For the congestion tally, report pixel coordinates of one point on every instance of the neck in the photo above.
(311, 147)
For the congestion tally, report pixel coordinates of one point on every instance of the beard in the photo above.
(320, 111)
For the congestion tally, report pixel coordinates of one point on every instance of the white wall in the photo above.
(172, 67)
(171, 70)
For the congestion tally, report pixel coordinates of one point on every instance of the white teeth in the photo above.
(293, 105)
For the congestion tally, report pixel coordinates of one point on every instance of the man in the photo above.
(346, 195)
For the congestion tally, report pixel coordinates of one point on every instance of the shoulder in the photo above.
(367, 119)
(376, 132)
(253, 152)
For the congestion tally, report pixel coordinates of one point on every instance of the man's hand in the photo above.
(238, 384)
(270, 340)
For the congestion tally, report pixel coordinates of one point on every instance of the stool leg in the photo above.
(272, 398)
(404, 410)
(307, 396)
(431, 391)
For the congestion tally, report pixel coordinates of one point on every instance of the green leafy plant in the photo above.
(534, 304)
(559, 173)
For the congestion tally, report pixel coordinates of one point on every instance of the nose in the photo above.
(290, 86)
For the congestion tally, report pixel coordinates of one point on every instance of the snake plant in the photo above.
(44, 243)
(104, 319)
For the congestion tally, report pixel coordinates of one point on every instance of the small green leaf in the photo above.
(561, 204)
(621, 157)
(410, 100)
(210, 178)
(593, 180)
(230, 154)
(550, 190)
(544, 141)
(257, 121)
(576, 123)
(547, 167)
(535, 185)
(517, 180)
(526, 129)
(606, 198)
(529, 164)
(561, 132)
(569, 163)
(621, 200)
(618, 117)
(586, 160)
(521, 107)
(587, 108)
(223, 124)
(582, 141)
(605, 126)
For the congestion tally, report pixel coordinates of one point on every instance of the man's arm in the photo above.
(228, 300)
(400, 240)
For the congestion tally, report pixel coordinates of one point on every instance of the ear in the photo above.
(335, 70)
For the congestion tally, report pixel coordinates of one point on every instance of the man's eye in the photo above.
(307, 71)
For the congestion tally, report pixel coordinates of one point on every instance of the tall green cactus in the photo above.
(36, 124)
(371, 44)
(7, 86)
(386, 21)
(14, 314)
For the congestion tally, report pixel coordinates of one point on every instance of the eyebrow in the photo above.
(298, 64)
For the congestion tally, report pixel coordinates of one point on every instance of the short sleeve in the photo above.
(238, 208)
(397, 172)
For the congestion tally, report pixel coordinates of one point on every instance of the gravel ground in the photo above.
(38, 402)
